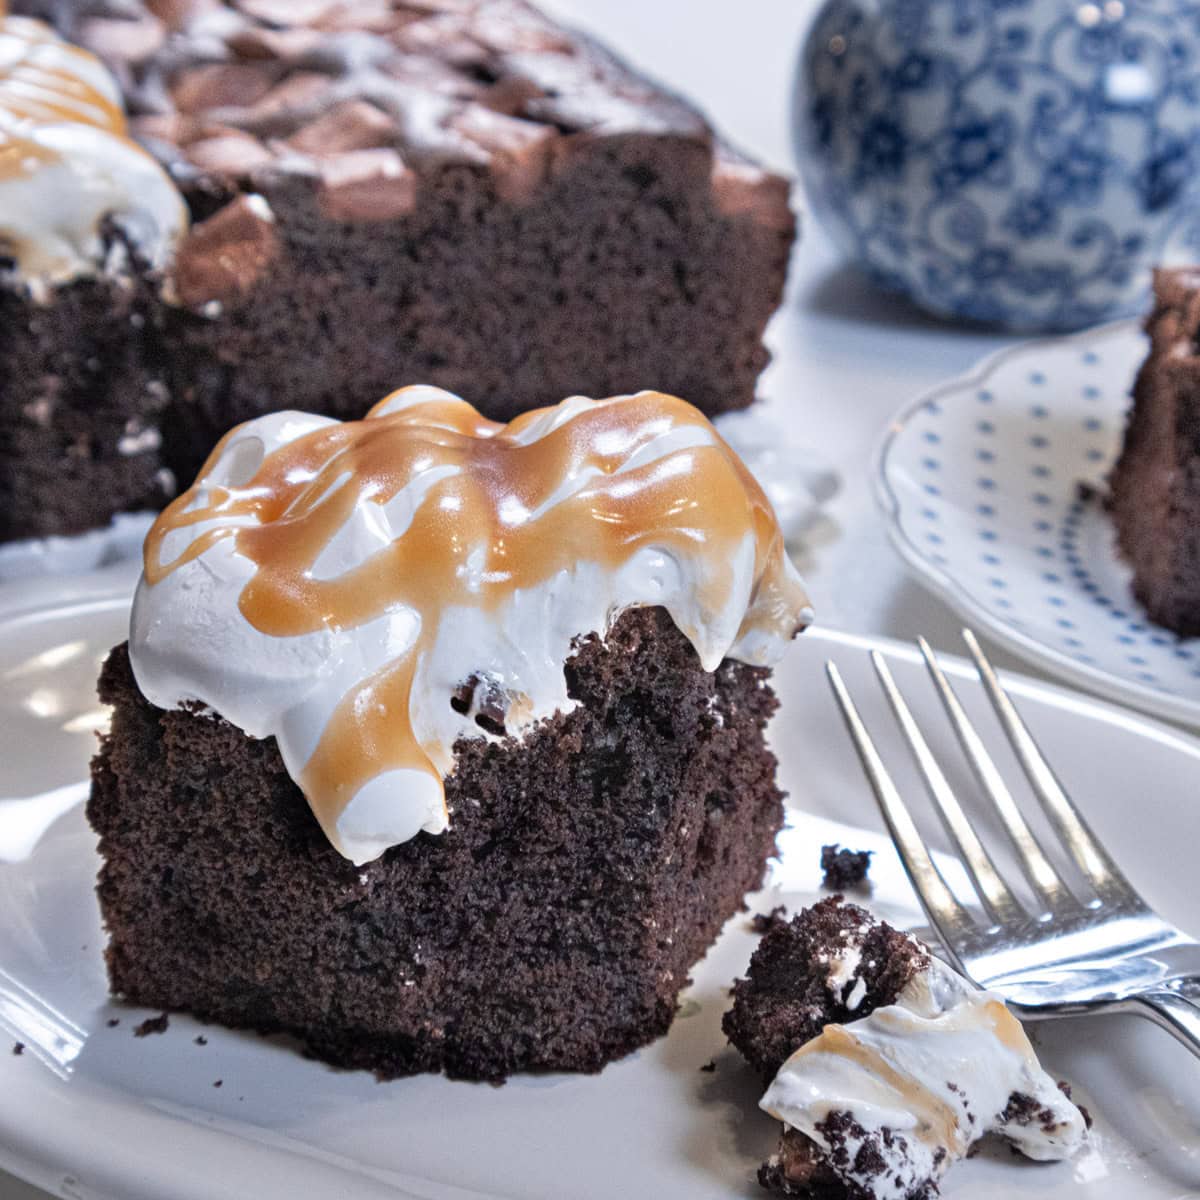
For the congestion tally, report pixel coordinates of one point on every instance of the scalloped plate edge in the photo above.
(962, 601)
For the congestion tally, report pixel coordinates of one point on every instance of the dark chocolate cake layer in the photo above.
(785, 1000)
(1155, 486)
(82, 395)
(552, 926)
(461, 194)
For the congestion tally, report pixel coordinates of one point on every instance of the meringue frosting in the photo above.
(923, 1079)
(336, 584)
(67, 163)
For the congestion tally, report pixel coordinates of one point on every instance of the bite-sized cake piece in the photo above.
(1155, 486)
(440, 743)
(463, 193)
(885, 1066)
(86, 217)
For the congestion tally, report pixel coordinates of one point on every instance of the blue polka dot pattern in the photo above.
(1015, 529)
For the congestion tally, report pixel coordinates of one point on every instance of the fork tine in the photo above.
(1088, 854)
(951, 920)
(1001, 905)
(1044, 880)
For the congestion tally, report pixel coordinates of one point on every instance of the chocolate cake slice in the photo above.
(86, 218)
(884, 1065)
(551, 926)
(1155, 486)
(439, 744)
(465, 194)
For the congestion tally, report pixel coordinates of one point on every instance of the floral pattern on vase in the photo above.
(1015, 162)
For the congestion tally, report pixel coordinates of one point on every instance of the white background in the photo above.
(845, 359)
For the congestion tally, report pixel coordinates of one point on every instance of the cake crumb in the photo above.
(152, 1025)
(18, 1048)
(1065, 1088)
(113, 1022)
(844, 868)
(200, 1040)
(762, 922)
(710, 1066)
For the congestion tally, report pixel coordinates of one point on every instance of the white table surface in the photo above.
(846, 358)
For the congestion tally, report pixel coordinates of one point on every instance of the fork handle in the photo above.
(1176, 1014)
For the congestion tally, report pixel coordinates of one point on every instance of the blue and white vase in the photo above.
(1016, 162)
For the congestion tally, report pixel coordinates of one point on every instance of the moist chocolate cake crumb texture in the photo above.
(761, 922)
(464, 194)
(586, 867)
(1155, 486)
(785, 999)
(82, 398)
(844, 868)
(800, 1168)
(152, 1025)
(793, 990)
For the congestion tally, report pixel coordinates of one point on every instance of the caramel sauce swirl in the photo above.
(45, 80)
(66, 160)
(460, 543)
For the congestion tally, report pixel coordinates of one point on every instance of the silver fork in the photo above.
(1103, 949)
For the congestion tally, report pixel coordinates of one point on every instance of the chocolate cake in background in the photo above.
(461, 193)
(82, 399)
(1155, 486)
(439, 744)
(86, 218)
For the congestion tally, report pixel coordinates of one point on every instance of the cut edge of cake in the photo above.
(1154, 489)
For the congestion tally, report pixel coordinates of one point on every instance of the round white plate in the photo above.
(991, 489)
(89, 1111)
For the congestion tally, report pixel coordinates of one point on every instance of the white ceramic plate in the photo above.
(979, 482)
(89, 1111)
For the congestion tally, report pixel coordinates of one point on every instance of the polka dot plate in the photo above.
(992, 488)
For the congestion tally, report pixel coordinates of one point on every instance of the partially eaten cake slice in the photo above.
(333, 195)
(885, 1066)
(1155, 485)
(438, 743)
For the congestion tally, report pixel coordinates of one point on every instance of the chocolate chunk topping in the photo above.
(225, 256)
(352, 125)
(366, 185)
(435, 74)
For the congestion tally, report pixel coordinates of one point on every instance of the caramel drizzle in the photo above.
(45, 81)
(939, 1122)
(490, 524)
